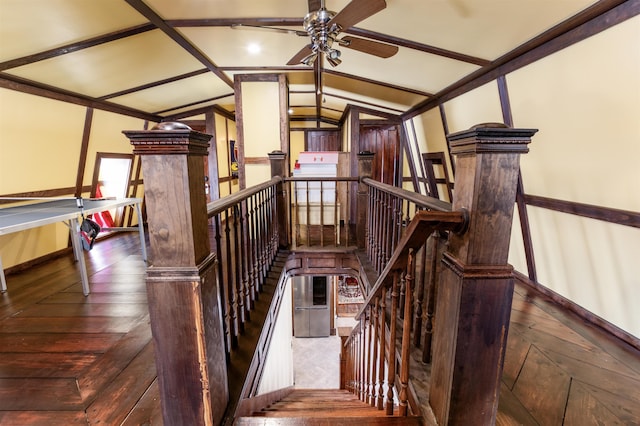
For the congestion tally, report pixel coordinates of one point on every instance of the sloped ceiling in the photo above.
(162, 59)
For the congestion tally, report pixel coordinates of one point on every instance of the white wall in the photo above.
(278, 369)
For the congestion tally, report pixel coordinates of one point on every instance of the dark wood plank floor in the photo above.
(67, 359)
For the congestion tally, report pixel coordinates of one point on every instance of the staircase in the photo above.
(323, 407)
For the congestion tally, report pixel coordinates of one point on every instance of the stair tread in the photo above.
(315, 406)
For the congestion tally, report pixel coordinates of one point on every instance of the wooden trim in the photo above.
(507, 117)
(196, 111)
(620, 217)
(373, 112)
(200, 110)
(377, 83)
(155, 84)
(251, 78)
(404, 143)
(256, 160)
(74, 47)
(242, 180)
(283, 101)
(593, 20)
(227, 22)
(56, 192)
(578, 310)
(18, 84)
(84, 148)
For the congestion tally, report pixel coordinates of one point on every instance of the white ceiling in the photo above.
(71, 47)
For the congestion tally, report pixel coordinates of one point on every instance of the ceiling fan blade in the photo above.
(357, 11)
(298, 57)
(267, 28)
(371, 47)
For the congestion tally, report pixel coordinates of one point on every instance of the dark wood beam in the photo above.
(507, 117)
(74, 47)
(11, 82)
(155, 19)
(228, 22)
(373, 111)
(378, 83)
(155, 84)
(597, 18)
(410, 44)
(197, 110)
(84, 148)
(620, 217)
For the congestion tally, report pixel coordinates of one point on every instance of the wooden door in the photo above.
(322, 140)
(384, 141)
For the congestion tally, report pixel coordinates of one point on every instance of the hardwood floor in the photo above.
(67, 359)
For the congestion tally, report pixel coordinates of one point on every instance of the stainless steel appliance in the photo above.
(311, 313)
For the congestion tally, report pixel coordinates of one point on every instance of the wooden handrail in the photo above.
(221, 204)
(424, 223)
(420, 200)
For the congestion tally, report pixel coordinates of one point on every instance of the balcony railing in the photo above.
(399, 225)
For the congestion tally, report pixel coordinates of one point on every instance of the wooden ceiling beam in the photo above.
(74, 47)
(11, 82)
(155, 19)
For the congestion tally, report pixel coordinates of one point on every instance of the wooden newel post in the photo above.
(365, 166)
(476, 287)
(279, 168)
(182, 288)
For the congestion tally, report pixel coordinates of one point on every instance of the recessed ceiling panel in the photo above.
(409, 69)
(245, 46)
(201, 9)
(481, 28)
(30, 26)
(296, 99)
(115, 66)
(399, 98)
(180, 93)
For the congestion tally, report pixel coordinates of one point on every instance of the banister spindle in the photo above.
(368, 354)
(232, 301)
(237, 261)
(391, 374)
(406, 338)
(382, 343)
(374, 356)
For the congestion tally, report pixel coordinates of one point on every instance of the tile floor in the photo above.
(316, 360)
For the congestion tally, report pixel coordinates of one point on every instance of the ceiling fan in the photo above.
(324, 26)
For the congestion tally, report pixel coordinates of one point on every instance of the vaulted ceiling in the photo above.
(160, 59)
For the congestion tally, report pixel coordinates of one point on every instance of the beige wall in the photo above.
(278, 367)
(585, 100)
(261, 127)
(39, 150)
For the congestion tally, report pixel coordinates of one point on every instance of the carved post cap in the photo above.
(491, 138)
(276, 155)
(168, 138)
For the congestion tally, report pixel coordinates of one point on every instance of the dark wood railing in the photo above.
(393, 306)
(245, 240)
(184, 284)
(321, 211)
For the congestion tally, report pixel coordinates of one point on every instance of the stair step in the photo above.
(316, 421)
(323, 407)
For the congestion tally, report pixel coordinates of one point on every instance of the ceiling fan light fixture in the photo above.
(333, 57)
(310, 59)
